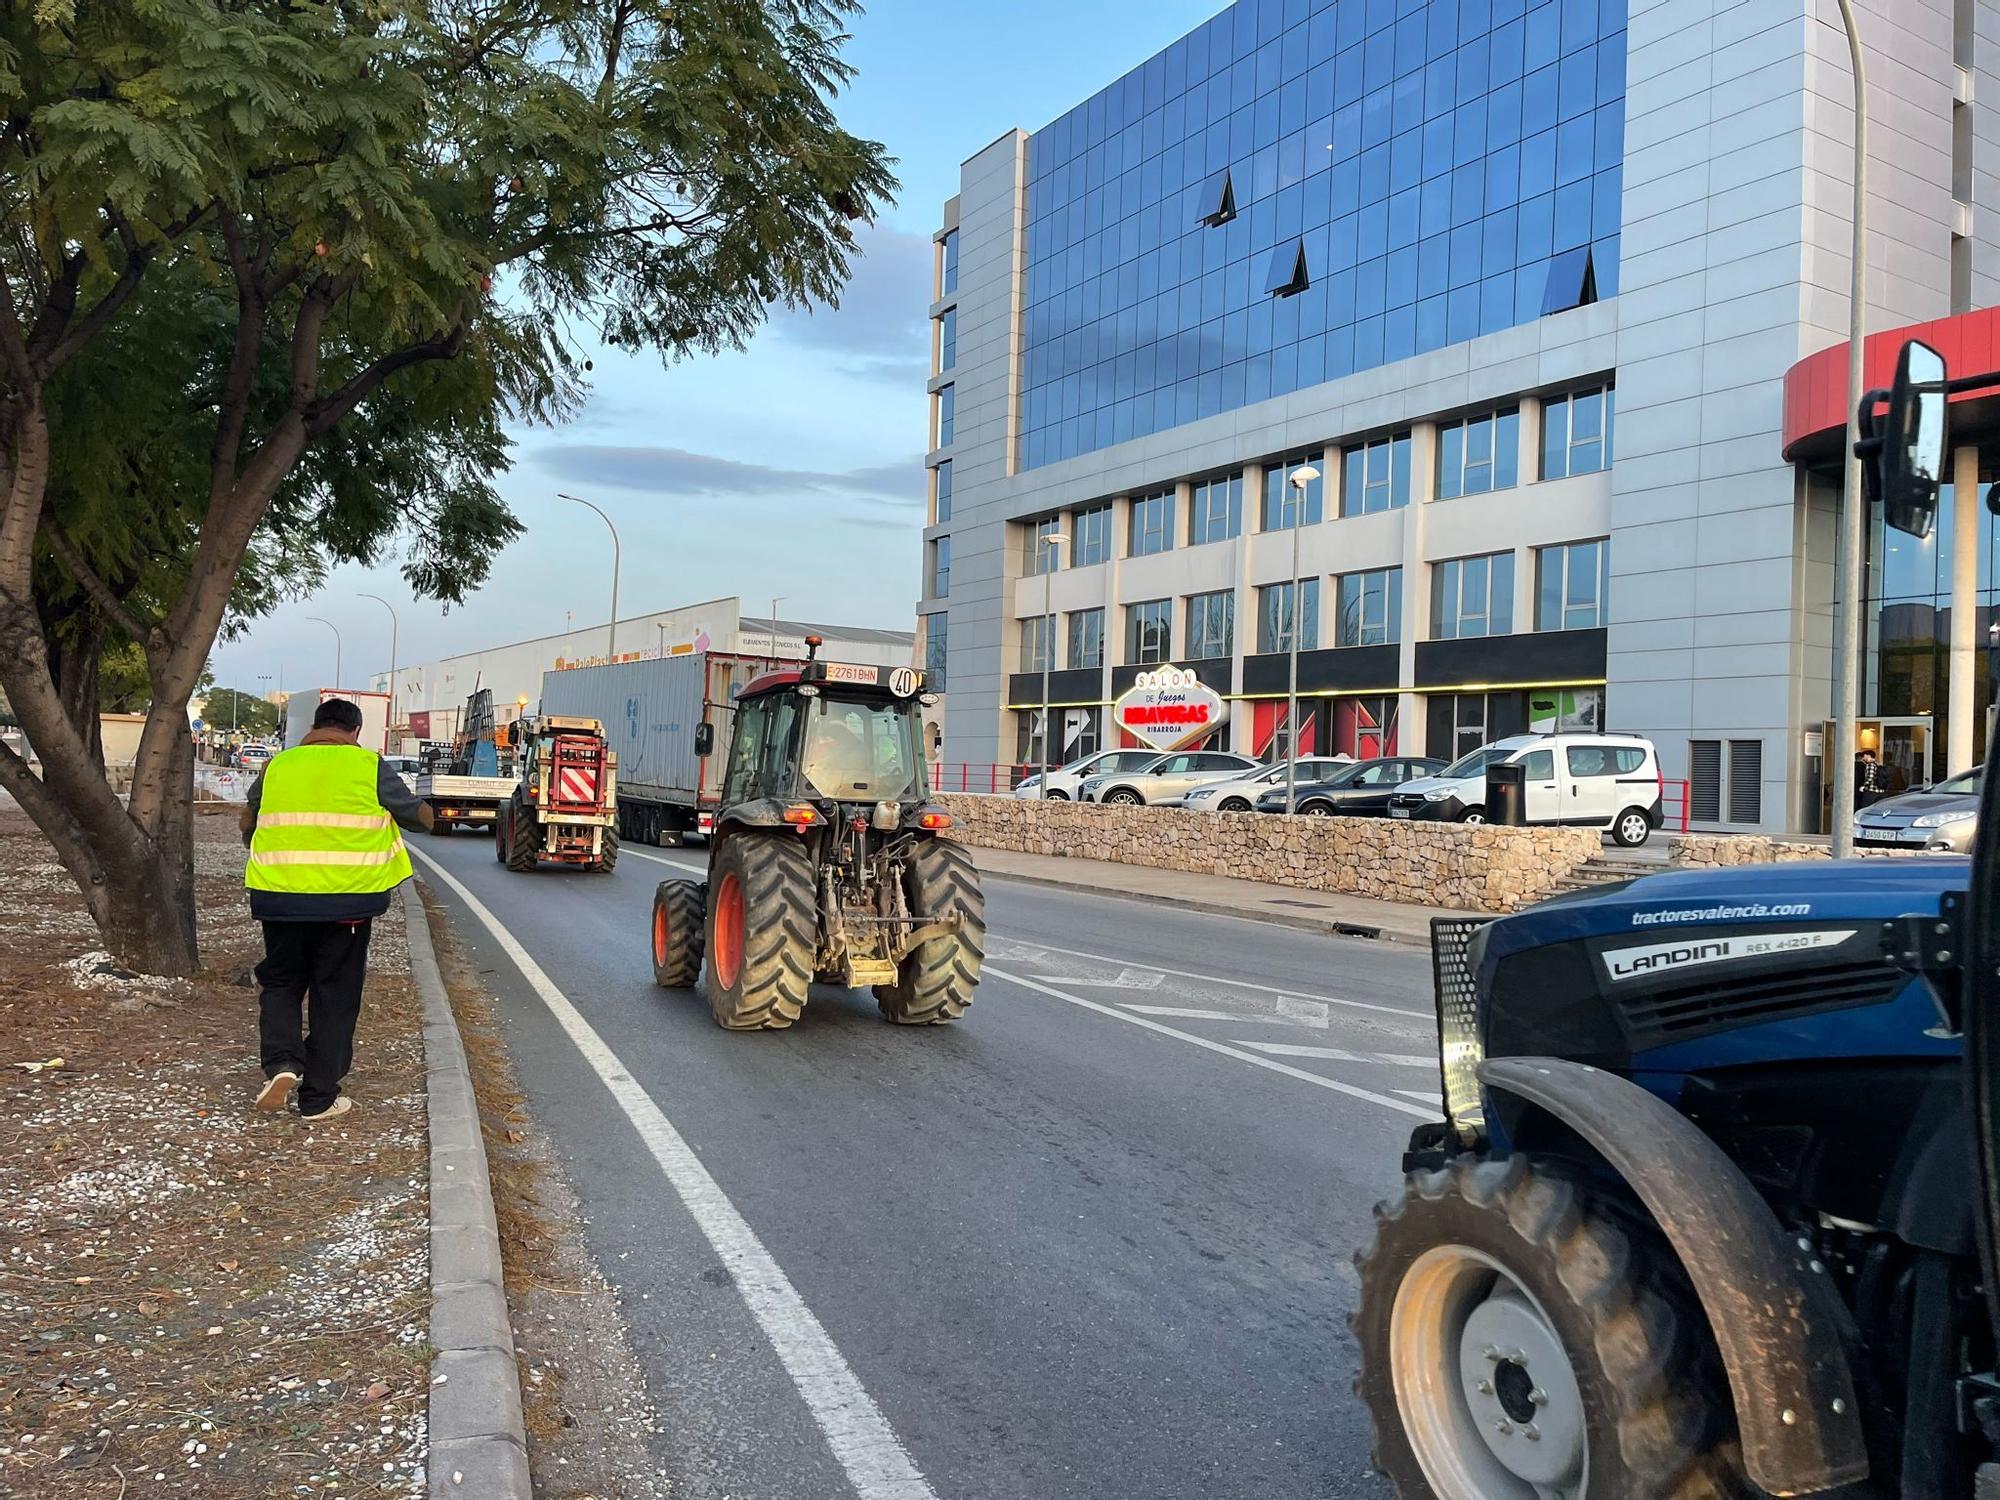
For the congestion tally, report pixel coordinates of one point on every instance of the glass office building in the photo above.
(1520, 282)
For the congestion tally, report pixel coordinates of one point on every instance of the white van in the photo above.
(1608, 781)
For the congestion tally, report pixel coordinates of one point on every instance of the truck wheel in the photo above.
(607, 853)
(762, 929)
(677, 931)
(937, 978)
(1632, 829)
(439, 828)
(1515, 1345)
(524, 837)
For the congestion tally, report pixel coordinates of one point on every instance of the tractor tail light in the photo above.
(799, 815)
(934, 820)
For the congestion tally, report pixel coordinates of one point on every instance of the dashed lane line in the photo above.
(862, 1441)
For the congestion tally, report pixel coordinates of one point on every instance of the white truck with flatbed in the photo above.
(463, 801)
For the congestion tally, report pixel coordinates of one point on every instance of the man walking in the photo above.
(320, 822)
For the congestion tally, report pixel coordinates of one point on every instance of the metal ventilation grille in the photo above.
(1691, 1010)
(1459, 1044)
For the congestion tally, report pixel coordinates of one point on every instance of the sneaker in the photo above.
(277, 1089)
(340, 1106)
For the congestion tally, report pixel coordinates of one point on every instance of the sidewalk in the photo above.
(1288, 906)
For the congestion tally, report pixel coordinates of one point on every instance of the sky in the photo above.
(795, 467)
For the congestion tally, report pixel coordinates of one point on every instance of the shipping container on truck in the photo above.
(300, 708)
(649, 710)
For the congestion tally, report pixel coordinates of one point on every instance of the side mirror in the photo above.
(1913, 441)
(704, 739)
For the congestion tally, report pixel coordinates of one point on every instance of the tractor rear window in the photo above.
(861, 750)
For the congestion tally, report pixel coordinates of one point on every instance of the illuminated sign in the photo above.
(1168, 708)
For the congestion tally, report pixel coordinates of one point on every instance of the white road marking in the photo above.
(1241, 984)
(1340, 1054)
(1128, 979)
(864, 1444)
(1428, 1096)
(660, 859)
(1196, 1013)
(1220, 1047)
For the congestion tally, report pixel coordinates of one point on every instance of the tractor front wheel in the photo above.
(1516, 1345)
(677, 932)
(937, 977)
(524, 836)
(762, 931)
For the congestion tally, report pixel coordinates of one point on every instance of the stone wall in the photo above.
(1706, 850)
(1426, 864)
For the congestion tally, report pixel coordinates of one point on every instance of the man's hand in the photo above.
(425, 816)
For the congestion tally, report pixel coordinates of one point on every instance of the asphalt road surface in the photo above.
(1092, 1240)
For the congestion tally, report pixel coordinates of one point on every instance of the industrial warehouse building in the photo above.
(1525, 285)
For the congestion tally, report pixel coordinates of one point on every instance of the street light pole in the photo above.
(1299, 478)
(772, 640)
(393, 632)
(1854, 505)
(1049, 548)
(336, 646)
(611, 642)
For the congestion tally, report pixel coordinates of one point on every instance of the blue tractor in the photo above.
(1713, 1209)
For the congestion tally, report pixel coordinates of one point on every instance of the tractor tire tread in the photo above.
(607, 853)
(781, 933)
(938, 978)
(680, 966)
(524, 838)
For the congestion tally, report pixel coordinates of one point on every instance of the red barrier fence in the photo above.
(969, 776)
(1674, 804)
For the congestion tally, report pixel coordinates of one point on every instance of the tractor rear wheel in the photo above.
(524, 837)
(607, 853)
(677, 934)
(937, 977)
(1517, 1344)
(762, 930)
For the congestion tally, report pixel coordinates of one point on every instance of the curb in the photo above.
(478, 1439)
(1221, 909)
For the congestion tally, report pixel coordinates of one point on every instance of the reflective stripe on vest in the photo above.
(321, 831)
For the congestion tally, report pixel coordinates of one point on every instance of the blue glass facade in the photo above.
(1433, 157)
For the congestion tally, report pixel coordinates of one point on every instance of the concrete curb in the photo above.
(1221, 909)
(478, 1439)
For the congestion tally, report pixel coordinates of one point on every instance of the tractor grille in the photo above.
(1458, 1021)
(1710, 1005)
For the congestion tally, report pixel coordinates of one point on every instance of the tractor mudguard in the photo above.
(761, 812)
(1775, 1318)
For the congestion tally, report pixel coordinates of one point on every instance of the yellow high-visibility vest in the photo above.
(321, 830)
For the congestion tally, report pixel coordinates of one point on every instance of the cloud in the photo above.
(880, 329)
(897, 488)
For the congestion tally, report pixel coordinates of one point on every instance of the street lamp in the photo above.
(1854, 504)
(393, 630)
(1299, 479)
(1047, 548)
(611, 642)
(776, 600)
(336, 646)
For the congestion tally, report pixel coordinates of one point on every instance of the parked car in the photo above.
(1167, 779)
(1064, 780)
(1937, 818)
(253, 757)
(1240, 793)
(1608, 781)
(1359, 790)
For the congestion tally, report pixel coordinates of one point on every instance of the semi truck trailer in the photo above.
(300, 708)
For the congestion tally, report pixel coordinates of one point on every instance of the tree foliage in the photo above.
(276, 273)
(229, 708)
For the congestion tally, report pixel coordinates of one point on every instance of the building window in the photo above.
(948, 264)
(1282, 498)
(1038, 634)
(1149, 632)
(941, 568)
(1042, 554)
(1286, 275)
(1211, 625)
(947, 339)
(1462, 722)
(1086, 639)
(1365, 728)
(1479, 455)
(1742, 784)
(1371, 608)
(1378, 477)
(1576, 433)
(937, 637)
(1090, 536)
(941, 492)
(1215, 514)
(945, 411)
(1078, 733)
(1573, 586)
(1472, 596)
(1274, 617)
(1152, 525)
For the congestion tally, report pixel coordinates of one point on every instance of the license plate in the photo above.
(1399, 812)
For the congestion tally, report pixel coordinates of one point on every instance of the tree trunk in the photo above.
(148, 925)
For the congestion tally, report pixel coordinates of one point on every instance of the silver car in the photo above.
(1167, 779)
(1240, 793)
(1937, 818)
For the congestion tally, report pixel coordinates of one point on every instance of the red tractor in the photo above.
(827, 862)
(565, 806)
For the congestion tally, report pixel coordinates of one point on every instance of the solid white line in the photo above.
(1338, 1054)
(1241, 984)
(877, 1464)
(1227, 1051)
(661, 859)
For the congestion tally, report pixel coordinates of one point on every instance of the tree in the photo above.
(227, 708)
(271, 232)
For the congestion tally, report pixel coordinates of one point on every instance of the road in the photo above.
(1093, 1240)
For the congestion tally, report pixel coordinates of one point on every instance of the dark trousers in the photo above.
(326, 962)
